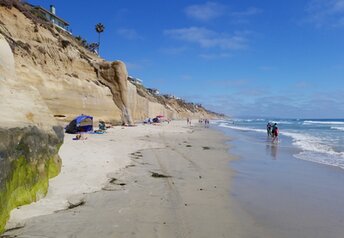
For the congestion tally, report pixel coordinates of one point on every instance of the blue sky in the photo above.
(269, 58)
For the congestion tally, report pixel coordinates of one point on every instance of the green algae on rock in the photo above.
(28, 158)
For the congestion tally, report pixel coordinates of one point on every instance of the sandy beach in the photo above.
(266, 79)
(146, 181)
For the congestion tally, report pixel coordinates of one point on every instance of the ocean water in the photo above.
(316, 140)
(293, 187)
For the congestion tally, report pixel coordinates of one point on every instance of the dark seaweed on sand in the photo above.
(157, 175)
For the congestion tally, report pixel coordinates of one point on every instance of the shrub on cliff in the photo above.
(8, 3)
(26, 9)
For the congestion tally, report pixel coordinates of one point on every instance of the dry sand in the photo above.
(107, 183)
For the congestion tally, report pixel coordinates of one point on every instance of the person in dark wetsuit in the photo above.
(268, 129)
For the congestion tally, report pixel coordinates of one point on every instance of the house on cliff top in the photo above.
(51, 17)
(153, 91)
(135, 80)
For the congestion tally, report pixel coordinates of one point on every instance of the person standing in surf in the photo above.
(275, 132)
(268, 129)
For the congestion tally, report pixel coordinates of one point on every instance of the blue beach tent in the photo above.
(81, 123)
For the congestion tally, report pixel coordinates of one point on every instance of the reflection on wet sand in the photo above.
(272, 149)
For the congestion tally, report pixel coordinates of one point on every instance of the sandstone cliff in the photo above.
(47, 78)
(71, 80)
(29, 140)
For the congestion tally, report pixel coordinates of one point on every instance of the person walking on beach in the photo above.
(275, 132)
(206, 123)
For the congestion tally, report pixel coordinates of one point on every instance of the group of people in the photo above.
(272, 130)
(201, 121)
(205, 121)
(157, 119)
(151, 120)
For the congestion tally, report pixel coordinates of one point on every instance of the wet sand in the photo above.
(180, 189)
(285, 196)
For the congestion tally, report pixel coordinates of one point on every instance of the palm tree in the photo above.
(99, 28)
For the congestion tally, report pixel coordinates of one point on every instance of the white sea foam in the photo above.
(248, 120)
(324, 122)
(308, 142)
(283, 122)
(303, 141)
(315, 146)
(316, 150)
(241, 128)
(242, 120)
(337, 128)
(217, 121)
(321, 158)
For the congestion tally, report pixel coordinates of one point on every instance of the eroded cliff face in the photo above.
(115, 77)
(58, 68)
(71, 80)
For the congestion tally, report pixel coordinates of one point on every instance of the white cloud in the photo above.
(129, 34)
(211, 10)
(205, 12)
(206, 38)
(326, 13)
